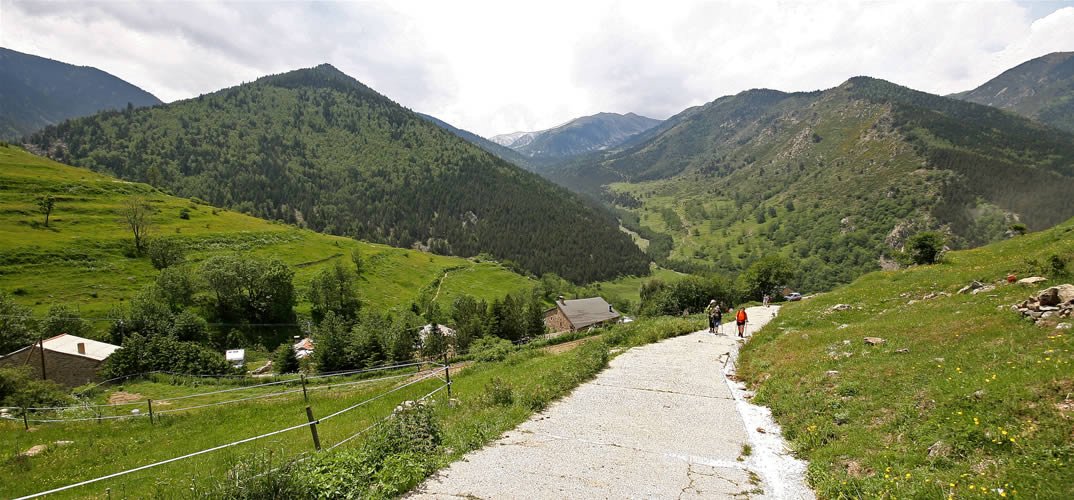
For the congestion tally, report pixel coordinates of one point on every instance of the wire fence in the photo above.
(415, 379)
(134, 409)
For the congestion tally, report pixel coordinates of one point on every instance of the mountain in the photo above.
(1042, 89)
(82, 258)
(579, 136)
(36, 92)
(504, 153)
(317, 148)
(837, 179)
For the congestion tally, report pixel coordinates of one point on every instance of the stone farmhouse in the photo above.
(578, 314)
(66, 359)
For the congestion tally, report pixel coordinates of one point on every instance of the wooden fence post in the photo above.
(305, 396)
(150, 411)
(447, 375)
(313, 428)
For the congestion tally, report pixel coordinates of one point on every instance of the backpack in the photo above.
(741, 315)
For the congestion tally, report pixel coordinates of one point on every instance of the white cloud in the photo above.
(492, 66)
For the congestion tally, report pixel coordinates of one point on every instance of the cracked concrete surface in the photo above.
(660, 422)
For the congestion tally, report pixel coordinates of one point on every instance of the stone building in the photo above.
(573, 315)
(67, 359)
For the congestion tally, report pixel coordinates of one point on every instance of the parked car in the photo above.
(793, 297)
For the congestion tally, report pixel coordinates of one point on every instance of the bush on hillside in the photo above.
(691, 293)
(18, 388)
(17, 324)
(284, 360)
(142, 354)
(925, 247)
(165, 252)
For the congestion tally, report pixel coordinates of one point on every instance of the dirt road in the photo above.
(661, 422)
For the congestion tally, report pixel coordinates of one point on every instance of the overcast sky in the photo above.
(499, 66)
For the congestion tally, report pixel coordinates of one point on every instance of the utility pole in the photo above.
(41, 348)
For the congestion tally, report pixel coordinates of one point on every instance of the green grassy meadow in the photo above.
(81, 258)
(965, 399)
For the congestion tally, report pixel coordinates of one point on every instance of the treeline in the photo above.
(318, 149)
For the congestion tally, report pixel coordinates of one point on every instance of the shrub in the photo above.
(925, 247)
(498, 393)
(64, 319)
(19, 388)
(165, 252)
(141, 354)
(184, 213)
(491, 349)
(284, 359)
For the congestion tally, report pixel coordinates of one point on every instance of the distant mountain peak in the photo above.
(1041, 89)
(581, 135)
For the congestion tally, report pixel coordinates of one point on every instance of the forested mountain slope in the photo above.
(836, 179)
(317, 148)
(36, 92)
(504, 153)
(84, 257)
(1042, 89)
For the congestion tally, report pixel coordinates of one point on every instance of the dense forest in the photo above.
(318, 149)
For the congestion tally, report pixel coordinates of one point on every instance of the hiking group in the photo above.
(715, 314)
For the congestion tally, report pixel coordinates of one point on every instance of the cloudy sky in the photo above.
(499, 66)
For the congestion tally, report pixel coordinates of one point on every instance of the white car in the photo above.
(793, 297)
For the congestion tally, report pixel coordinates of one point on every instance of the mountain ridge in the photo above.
(1041, 89)
(317, 148)
(576, 137)
(36, 92)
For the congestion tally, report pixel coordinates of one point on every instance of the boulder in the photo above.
(971, 287)
(1033, 280)
(840, 307)
(35, 450)
(264, 369)
(1062, 326)
(874, 340)
(831, 373)
(1056, 295)
(983, 289)
(903, 351)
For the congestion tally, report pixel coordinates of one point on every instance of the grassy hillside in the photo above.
(964, 398)
(82, 258)
(316, 148)
(836, 180)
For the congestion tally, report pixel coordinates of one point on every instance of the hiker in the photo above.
(715, 314)
(740, 320)
(766, 299)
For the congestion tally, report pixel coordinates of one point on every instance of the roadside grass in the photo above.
(531, 378)
(964, 398)
(83, 258)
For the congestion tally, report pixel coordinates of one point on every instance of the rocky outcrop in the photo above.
(1048, 305)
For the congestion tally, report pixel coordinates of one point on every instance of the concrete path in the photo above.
(661, 422)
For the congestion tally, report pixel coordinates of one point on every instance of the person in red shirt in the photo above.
(740, 320)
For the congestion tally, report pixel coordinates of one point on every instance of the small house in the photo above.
(64, 359)
(577, 314)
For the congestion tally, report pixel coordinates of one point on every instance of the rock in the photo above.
(761, 430)
(979, 394)
(35, 450)
(874, 340)
(1048, 314)
(1056, 295)
(831, 373)
(911, 302)
(970, 287)
(842, 326)
(264, 369)
(63, 443)
(983, 289)
(840, 307)
(1062, 326)
(1035, 314)
(903, 351)
(938, 360)
(1033, 280)
(939, 449)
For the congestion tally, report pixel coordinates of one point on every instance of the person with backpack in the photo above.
(715, 313)
(740, 320)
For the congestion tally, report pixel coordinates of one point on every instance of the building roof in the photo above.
(68, 344)
(584, 312)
